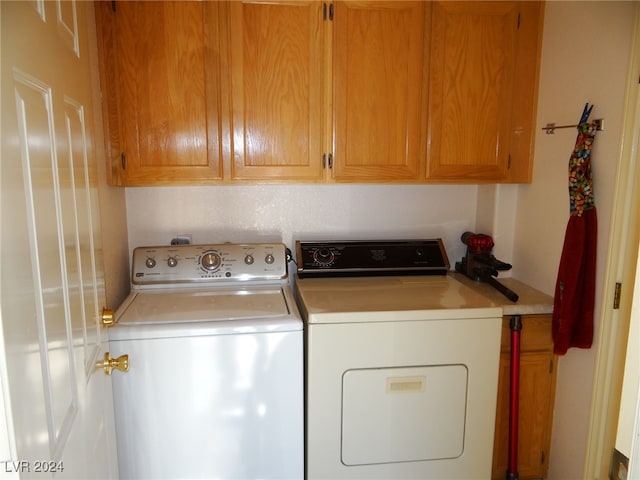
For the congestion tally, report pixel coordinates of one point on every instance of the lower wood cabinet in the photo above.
(537, 395)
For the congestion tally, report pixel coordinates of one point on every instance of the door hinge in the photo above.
(616, 296)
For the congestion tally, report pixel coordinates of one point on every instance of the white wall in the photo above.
(585, 58)
(289, 212)
(113, 221)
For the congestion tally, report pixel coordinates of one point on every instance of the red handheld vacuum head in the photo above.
(478, 242)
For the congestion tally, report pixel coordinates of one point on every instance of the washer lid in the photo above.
(219, 311)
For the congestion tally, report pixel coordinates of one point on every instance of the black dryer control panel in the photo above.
(371, 258)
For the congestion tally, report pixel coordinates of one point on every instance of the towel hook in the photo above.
(550, 128)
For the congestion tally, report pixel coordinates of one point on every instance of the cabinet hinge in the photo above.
(330, 161)
(123, 161)
(551, 366)
(518, 24)
(542, 457)
(324, 161)
(509, 162)
(616, 296)
(113, 6)
(327, 11)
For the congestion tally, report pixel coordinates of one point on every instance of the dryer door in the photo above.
(403, 414)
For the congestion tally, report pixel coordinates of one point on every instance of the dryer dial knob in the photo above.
(210, 261)
(269, 259)
(150, 262)
(249, 260)
(172, 261)
(323, 256)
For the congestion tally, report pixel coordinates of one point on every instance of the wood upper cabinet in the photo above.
(160, 82)
(307, 91)
(483, 90)
(327, 91)
(276, 67)
(379, 80)
(537, 394)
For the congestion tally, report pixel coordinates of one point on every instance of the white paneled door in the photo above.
(56, 408)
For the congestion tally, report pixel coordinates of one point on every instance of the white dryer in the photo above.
(402, 363)
(214, 387)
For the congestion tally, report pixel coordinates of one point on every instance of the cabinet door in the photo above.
(277, 77)
(380, 52)
(160, 75)
(471, 86)
(525, 91)
(537, 394)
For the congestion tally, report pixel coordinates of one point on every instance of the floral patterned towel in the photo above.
(572, 324)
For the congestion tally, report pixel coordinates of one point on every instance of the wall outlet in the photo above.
(182, 239)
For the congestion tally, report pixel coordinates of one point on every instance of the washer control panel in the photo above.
(208, 264)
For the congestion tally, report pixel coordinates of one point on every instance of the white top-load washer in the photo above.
(214, 387)
(402, 363)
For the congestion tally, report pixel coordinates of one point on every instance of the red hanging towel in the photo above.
(572, 324)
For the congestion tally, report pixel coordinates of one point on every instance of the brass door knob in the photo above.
(107, 319)
(108, 364)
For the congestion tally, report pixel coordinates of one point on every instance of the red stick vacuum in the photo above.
(480, 265)
(515, 325)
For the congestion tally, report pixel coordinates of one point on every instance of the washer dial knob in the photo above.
(172, 261)
(150, 262)
(211, 261)
(249, 259)
(269, 259)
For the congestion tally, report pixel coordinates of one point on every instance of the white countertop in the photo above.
(531, 301)
(371, 299)
(334, 300)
